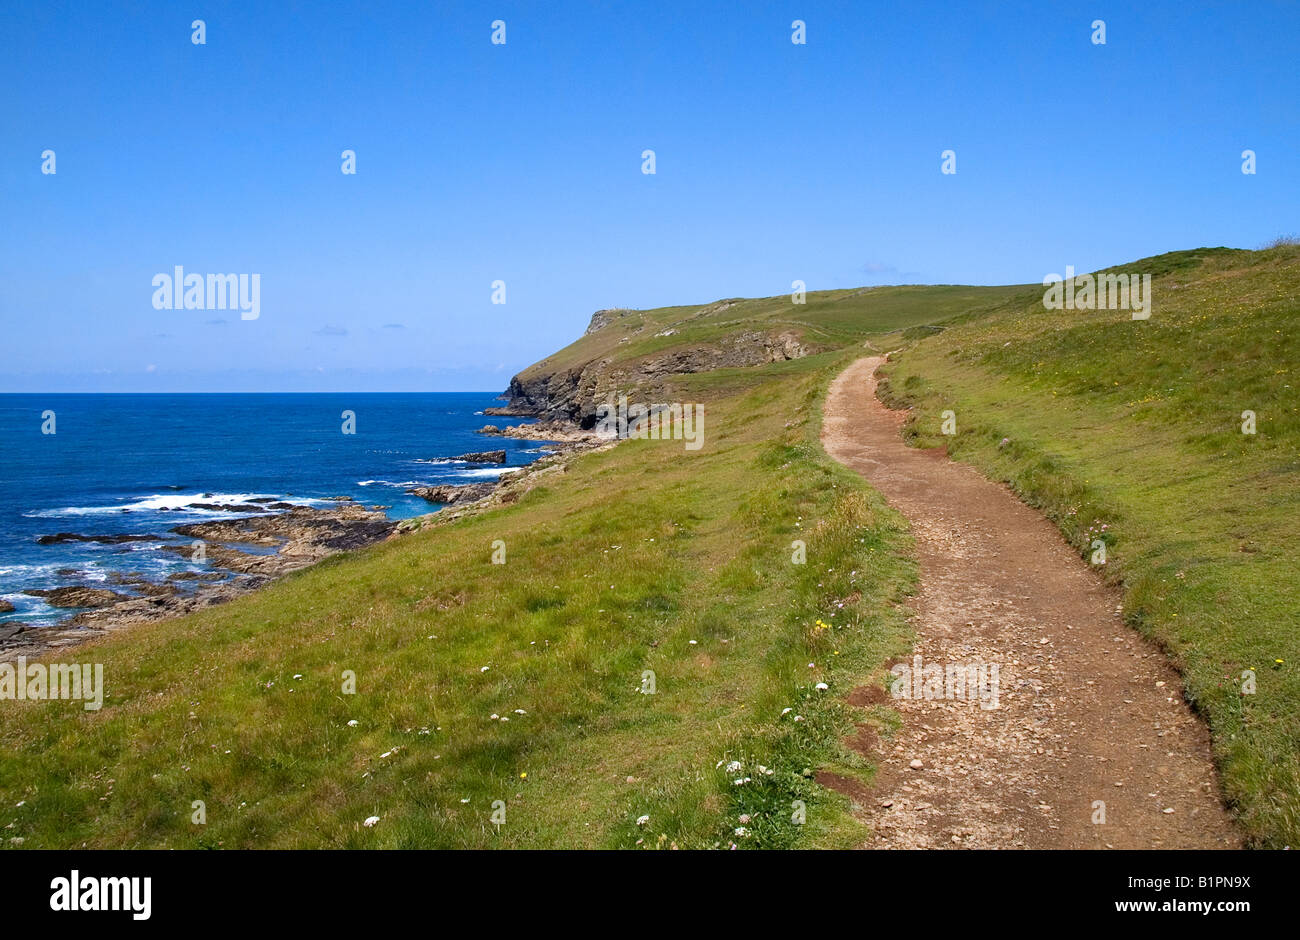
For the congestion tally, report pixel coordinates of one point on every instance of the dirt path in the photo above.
(1088, 711)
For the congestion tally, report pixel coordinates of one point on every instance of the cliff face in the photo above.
(572, 394)
(558, 396)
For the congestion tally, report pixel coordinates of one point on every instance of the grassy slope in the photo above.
(614, 570)
(827, 320)
(1137, 426)
(641, 549)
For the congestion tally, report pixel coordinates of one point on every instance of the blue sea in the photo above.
(132, 463)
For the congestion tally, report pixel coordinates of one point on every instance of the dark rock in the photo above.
(60, 537)
(300, 536)
(143, 586)
(485, 456)
(78, 596)
(574, 394)
(5, 606)
(454, 495)
(359, 535)
(125, 577)
(226, 507)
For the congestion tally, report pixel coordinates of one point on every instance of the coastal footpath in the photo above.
(652, 647)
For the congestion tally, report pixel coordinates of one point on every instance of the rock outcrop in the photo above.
(301, 536)
(485, 456)
(286, 541)
(572, 395)
(602, 318)
(60, 537)
(78, 596)
(449, 495)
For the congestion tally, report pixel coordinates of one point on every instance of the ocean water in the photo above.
(131, 464)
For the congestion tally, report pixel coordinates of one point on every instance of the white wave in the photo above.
(173, 502)
(22, 571)
(483, 472)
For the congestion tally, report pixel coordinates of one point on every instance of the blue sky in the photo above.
(522, 162)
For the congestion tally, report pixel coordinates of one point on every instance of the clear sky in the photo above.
(522, 162)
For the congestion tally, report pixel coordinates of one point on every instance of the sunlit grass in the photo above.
(1136, 426)
(643, 558)
(615, 566)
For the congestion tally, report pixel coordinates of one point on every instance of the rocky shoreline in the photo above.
(268, 537)
(246, 552)
(458, 501)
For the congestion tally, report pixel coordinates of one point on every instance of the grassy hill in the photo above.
(649, 558)
(1136, 426)
(641, 558)
(826, 320)
(639, 347)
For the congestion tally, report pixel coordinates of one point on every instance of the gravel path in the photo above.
(1088, 712)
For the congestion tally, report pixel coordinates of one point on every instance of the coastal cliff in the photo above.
(604, 363)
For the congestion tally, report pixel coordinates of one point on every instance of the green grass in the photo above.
(616, 565)
(1100, 420)
(611, 571)
(827, 320)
